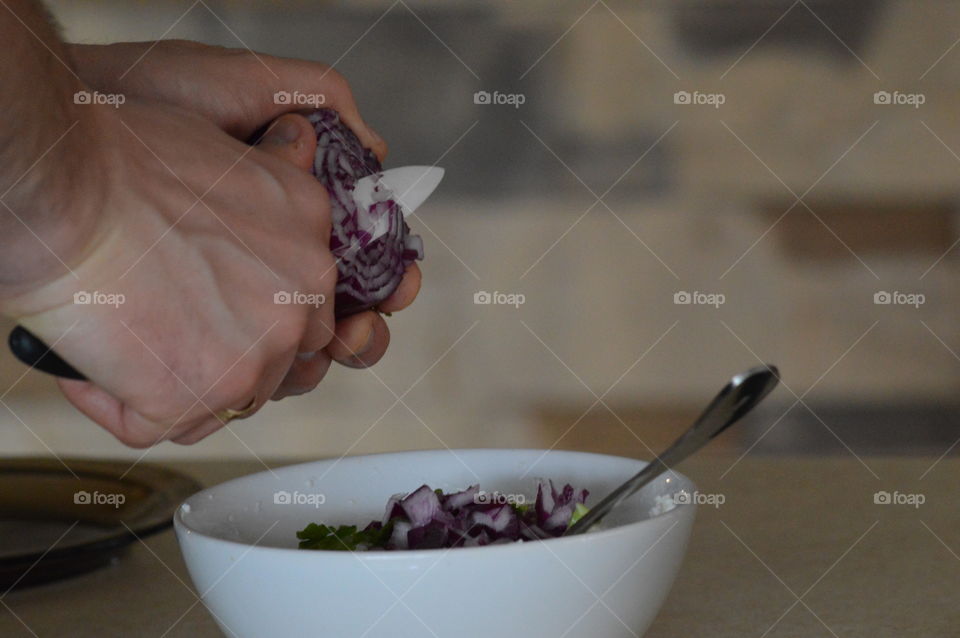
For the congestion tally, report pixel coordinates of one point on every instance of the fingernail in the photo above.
(285, 131)
(369, 344)
(306, 356)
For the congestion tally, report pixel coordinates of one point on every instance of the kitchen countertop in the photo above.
(798, 548)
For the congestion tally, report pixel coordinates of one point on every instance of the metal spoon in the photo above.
(735, 400)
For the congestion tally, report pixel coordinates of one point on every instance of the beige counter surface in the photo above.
(798, 548)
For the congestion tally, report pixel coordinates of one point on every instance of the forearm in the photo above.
(48, 163)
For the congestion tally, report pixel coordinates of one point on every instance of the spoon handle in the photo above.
(737, 398)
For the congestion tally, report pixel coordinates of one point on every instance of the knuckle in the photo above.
(198, 433)
(162, 412)
(289, 333)
(261, 181)
(244, 384)
(236, 388)
(134, 441)
(249, 59)
(336, 82)
(186, 45)
(133, 435)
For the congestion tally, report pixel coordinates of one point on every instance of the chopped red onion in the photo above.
(430, 519)
(369, 270)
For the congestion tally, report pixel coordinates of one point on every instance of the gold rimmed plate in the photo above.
(58, 518)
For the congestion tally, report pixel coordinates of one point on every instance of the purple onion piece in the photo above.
(457, 500)
(393, 508)
(433, 535)
(429, 519)
(369, 270)
(398, 538)
(421, 506)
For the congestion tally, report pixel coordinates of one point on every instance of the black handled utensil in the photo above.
(27, 347)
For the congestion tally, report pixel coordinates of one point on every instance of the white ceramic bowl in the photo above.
(240, 547)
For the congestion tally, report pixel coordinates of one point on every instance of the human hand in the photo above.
(197, 233)
(236, 89)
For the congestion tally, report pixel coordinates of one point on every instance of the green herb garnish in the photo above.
(344, 537)
(522, 508)
(578, 512)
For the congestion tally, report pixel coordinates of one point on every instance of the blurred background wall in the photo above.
(797, 161)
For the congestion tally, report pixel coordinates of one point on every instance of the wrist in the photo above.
(54, 203)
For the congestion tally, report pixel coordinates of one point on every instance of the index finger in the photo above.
(328, 89)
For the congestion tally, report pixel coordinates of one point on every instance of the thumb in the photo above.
(291, 137)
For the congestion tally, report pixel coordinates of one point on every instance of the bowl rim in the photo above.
(183, 529)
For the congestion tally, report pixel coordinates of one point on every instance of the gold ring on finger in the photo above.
(229, 414)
